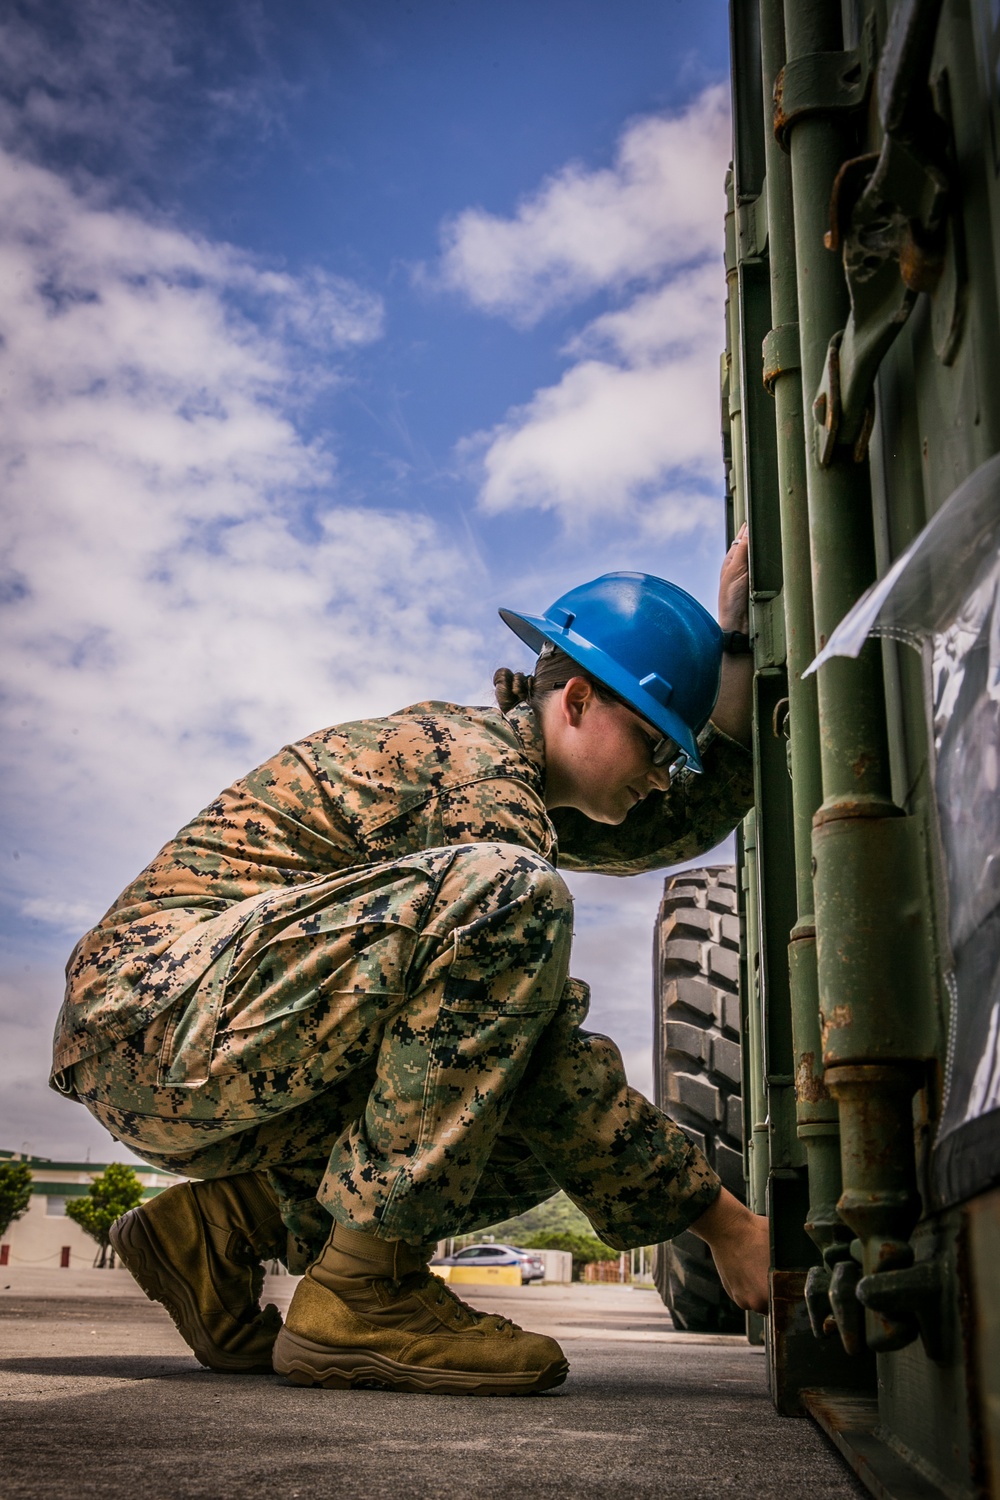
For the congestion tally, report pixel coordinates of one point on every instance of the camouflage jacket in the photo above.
(359, 794)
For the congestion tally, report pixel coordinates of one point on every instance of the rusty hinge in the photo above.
(751, 226)
(780, 352)
(823, 83)
(768, 628)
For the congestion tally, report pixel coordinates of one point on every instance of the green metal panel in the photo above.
(864, 282)
(767, 480)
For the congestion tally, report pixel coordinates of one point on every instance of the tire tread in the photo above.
(697, 1070)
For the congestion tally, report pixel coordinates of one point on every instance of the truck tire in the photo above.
(697, 1071)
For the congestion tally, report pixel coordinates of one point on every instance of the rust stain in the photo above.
(778, 105)
(863, 764)
(840, 1018)
(865, 807)
(919, 265)
(809, 1085)
(850, 182)
(772, 372)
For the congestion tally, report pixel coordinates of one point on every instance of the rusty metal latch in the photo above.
(908, 1299)
(831, 1299)
(889, 221)
(910, 1296)
(848, 1313)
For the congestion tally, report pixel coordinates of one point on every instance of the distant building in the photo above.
(45, 1236)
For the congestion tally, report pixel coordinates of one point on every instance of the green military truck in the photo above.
(861, 427)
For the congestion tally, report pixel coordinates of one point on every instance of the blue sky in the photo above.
(327, 328)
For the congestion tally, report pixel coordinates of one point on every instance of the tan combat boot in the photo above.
(369, 1313)
(198, 1248)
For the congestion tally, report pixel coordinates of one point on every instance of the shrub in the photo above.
(15, 1192)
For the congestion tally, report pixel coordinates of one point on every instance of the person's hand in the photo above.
(732, 708)
(734, 584)
(740, 1244)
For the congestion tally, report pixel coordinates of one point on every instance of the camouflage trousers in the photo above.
(401, 1044)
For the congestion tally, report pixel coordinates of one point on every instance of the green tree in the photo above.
(109, 1196)
(15, 1192)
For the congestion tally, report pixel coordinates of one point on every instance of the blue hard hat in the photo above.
(647, 640)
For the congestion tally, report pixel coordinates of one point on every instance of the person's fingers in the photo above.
(734, 582)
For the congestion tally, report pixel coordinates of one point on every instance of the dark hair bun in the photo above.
(512, 688)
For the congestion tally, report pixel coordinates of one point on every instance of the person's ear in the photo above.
(577, 696)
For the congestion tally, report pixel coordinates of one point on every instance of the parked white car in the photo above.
(531, 1263)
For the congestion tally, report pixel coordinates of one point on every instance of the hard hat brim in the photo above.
(535, 630)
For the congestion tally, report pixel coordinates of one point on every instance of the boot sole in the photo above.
(138, 1251)
(305, 1363)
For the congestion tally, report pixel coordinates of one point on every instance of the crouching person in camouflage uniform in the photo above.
(339, 1001)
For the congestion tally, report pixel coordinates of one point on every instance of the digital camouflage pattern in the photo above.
(350, 971)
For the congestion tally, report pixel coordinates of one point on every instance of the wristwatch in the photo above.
(736, 643)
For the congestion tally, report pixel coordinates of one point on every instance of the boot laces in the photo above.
(461, 1313)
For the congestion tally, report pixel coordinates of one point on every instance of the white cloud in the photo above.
(628, 438)
(658, 207)
(632, 440)
(182, 594)
(676, 320)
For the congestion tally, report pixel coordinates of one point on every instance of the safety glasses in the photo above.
(666, 751)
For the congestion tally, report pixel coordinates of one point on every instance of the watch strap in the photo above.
(736, 643)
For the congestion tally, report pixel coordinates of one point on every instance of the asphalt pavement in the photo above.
(99, 1397)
